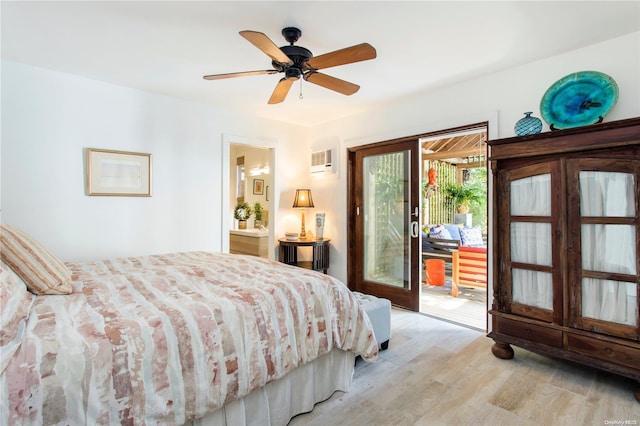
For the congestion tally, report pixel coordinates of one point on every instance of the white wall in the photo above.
(49, 118)
(500, 98)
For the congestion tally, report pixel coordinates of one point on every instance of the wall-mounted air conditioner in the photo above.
(321, 161)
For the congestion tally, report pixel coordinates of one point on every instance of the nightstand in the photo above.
(320, 259)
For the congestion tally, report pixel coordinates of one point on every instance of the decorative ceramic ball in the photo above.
(528, 125)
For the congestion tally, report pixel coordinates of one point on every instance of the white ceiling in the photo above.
(166, 47)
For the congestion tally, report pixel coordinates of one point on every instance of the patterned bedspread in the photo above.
(169, 338)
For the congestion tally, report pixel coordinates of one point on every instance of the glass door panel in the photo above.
(609, 248)
(531, 243)
(532, 288)
(385, 206)
(607, 194)
(607, 300)
(531, 196)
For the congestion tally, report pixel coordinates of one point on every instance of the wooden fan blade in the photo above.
(332, 83)
(265, 44)
(281, 90)
(349, 55)
(238, 74)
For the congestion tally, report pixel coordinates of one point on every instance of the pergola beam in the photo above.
(463, 153)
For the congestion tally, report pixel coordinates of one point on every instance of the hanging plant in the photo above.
(462, 196)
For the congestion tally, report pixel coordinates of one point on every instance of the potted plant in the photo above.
(462, 196)
(257, 209)
(241, 213)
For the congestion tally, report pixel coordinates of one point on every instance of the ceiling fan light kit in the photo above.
(296, 62)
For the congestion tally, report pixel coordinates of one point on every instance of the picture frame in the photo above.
(258, 186)
(267, 193)
(118, 173)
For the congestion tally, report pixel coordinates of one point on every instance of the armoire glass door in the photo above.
(530, 243)
(606, 272)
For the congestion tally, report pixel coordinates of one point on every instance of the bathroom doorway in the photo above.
(250, 195)
(252, 181)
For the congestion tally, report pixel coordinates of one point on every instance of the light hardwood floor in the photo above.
(438, 373)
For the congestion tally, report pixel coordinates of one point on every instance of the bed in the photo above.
(196, 337)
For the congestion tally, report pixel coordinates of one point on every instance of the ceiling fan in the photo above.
(296, 62)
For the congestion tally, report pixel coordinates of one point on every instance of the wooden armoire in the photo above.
(566, 245)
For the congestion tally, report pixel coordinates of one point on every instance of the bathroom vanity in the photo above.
(249, 241)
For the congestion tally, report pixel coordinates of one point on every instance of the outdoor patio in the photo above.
(468, 309)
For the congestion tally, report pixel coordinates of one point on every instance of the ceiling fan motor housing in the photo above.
(292, 73)
(299, 55)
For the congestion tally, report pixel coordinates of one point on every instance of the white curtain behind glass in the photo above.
(531, 196)
(531, 242)
(607, 194)
(608, 248)
(607, 300)
(532, 288)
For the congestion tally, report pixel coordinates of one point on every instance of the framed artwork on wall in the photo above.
(118, 173)
(258, 186)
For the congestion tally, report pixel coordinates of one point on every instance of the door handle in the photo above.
(415, 229)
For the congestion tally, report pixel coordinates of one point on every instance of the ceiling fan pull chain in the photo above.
(300, 96)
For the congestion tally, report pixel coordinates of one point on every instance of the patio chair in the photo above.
(469, 268)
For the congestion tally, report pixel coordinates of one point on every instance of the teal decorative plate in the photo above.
(578, 99)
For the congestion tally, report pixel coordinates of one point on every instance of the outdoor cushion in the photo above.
(472, 237)
(454, 230)
(440, 232)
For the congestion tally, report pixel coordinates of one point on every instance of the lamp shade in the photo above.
(303, 198)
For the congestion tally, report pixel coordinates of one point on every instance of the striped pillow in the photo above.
(38, 268)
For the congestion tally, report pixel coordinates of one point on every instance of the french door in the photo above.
(384, 221)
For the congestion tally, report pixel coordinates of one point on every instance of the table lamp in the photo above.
(303, 200)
